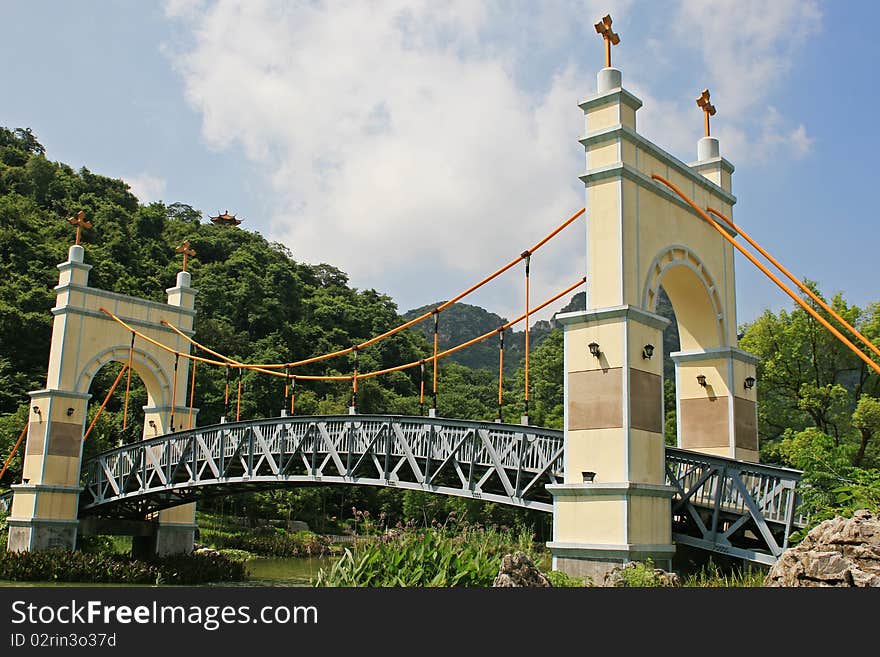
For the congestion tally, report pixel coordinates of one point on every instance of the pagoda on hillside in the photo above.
(225, 219)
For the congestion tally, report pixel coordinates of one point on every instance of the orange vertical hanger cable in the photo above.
(128, 384)
(192, 394)
(527, 256)
(238, 400)
(500, 371)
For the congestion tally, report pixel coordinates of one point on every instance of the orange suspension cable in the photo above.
(238, 401)
(192, 394)
(500, 370)
(794, 280)
(14, 450)
(292, 393)
(397, 329)
(128, 384)
(528, 258)
(104, 404)
(858, 352)
(479, 338)
(174, 391)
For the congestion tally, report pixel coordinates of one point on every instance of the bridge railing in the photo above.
(487, 460)
(717, 497)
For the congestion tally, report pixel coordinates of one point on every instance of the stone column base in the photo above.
(596, 561)
(31, 534)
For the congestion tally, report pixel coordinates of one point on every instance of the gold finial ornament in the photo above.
(186, 251)
(707, 107)
(79, 220)
(603, 27)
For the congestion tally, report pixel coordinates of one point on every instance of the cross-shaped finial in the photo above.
(603, 27)
(186, 251)
(707, 107)
(79, 220)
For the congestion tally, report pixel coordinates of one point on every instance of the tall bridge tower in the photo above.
(614, 504)
(45, 503)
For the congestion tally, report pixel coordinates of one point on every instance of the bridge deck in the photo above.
(723, 505)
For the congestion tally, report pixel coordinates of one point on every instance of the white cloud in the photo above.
(146, 187)
(403, 146)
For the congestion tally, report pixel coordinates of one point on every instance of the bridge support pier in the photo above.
(614, 506)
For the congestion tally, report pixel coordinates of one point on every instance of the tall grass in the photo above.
(458, 556)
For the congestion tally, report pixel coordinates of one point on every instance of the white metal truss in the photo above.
(723, 505)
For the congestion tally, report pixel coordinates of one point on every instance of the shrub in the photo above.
(560, 579)
(300, 544)
(66, 566)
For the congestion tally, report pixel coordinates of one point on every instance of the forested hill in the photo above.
(254, 300)
(461, 322)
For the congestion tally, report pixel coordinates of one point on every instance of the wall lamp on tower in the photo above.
(647, 351)
(594, 349)
(152, 424)
(749, 383)
(69, 411)
(37, 410)
(701, 379)
(588, 477)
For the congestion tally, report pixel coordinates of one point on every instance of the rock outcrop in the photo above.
(840, 552)
(638, 574)
(518, 570)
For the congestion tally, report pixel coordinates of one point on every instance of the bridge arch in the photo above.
(144, 364)
(691, 288)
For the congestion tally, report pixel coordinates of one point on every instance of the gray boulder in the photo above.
(841, 552)
(518, 570)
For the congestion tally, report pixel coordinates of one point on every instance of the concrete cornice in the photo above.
(124, 298)
(600, 314)
(626, 488)
(717, 352)
(75, 310)
(621, 131)
(618, 95)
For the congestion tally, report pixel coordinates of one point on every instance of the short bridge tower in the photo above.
(44, 510)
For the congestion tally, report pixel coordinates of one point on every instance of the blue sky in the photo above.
(417, 145)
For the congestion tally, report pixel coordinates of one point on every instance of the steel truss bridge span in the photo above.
(722, 505)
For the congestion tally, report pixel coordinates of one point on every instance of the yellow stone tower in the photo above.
(614, 505)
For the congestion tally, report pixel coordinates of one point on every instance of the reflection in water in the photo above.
(277, 571)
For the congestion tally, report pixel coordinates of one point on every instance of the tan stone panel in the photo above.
(33, 468)
(745, 423)
(647, 459)
(595, 399)
(65, 439)
(704, 423)
(608, 334)
(650, 520)
(602, 451)
(60, 470)
(36, 436)
(605, 116)
(590, 519)
(646, 401)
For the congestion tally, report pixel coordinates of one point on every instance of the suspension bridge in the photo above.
(615, 490)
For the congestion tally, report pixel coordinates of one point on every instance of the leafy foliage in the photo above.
(459, 556)
(66, 566)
